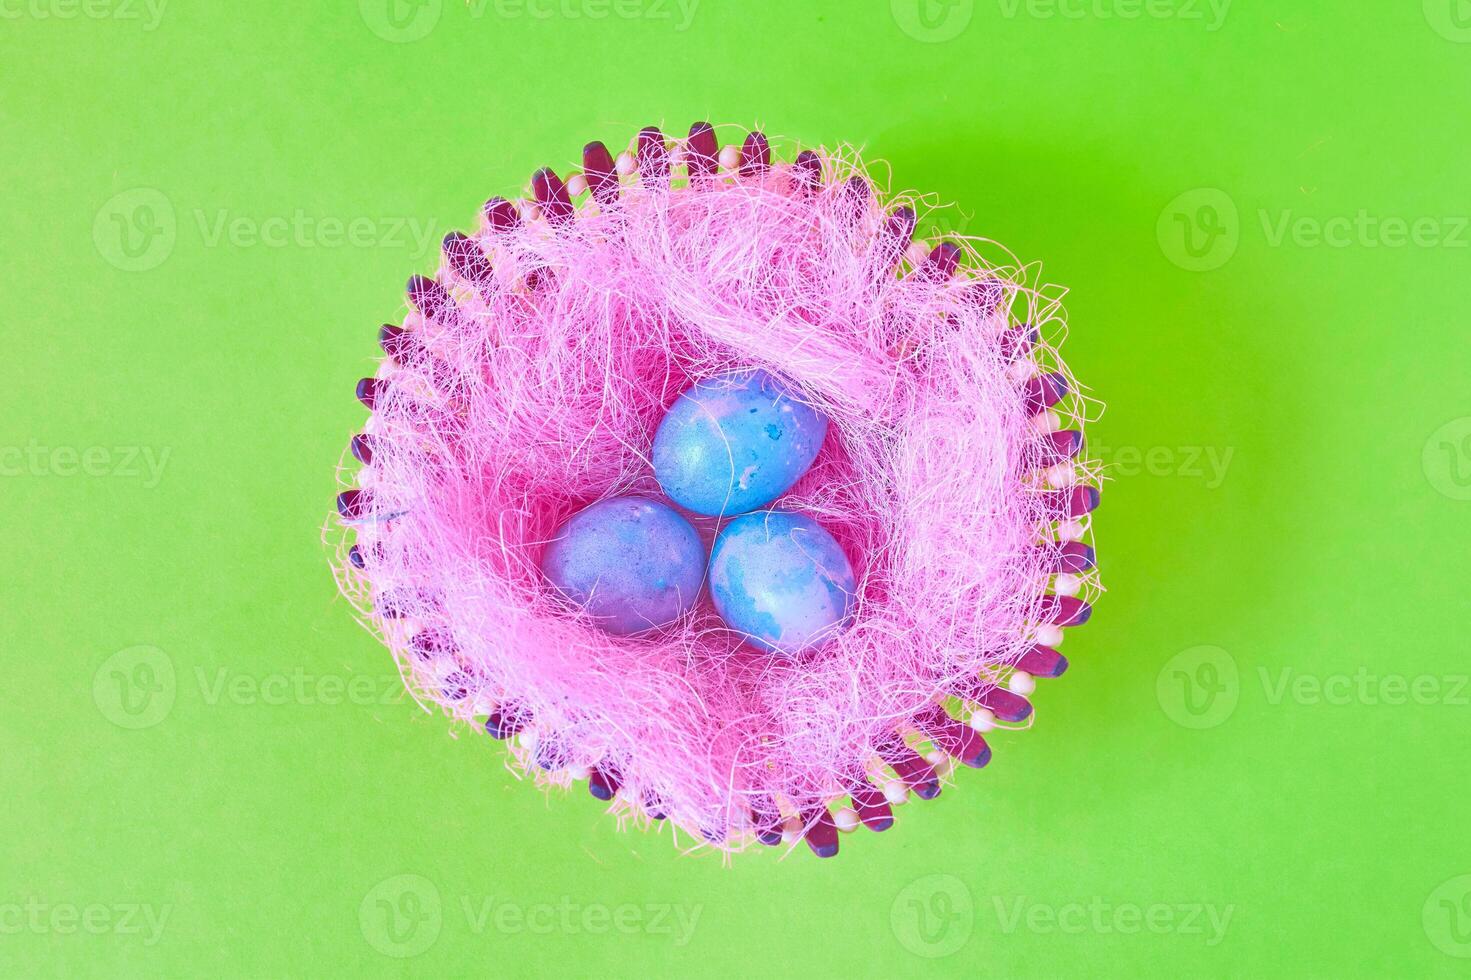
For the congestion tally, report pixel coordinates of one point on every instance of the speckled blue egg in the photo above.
(630, 562)
(736, 442)
(781, 579)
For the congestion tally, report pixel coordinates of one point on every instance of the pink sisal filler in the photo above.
(526, 382)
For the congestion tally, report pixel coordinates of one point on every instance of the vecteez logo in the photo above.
(933, 916)
(932, 21)
(401, 21)
(1199, 687)
(148, 13)
(1446, 459)
(136, 229)
(1446, 917)
(135, 688)
(1210, 13)
(401, 916)
(404, 915)
(1200, 229)
(1451, 19)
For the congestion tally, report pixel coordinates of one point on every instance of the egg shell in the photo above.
(632, 563)
(782, 580)
(736, 442)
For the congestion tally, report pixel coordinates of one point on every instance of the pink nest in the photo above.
(527, 383)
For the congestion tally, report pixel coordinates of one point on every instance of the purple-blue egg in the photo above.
(735, 442)
(630, 562)
(782, 580)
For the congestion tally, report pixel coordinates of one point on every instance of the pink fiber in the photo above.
(539, 394)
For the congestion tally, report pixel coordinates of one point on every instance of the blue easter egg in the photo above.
(630, 562)
(781, 579)
(734, 443)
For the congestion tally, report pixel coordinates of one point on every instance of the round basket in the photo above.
(526, 382)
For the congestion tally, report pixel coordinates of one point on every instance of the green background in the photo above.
(1262, 220)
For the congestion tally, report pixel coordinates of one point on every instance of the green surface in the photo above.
(1257, 765)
